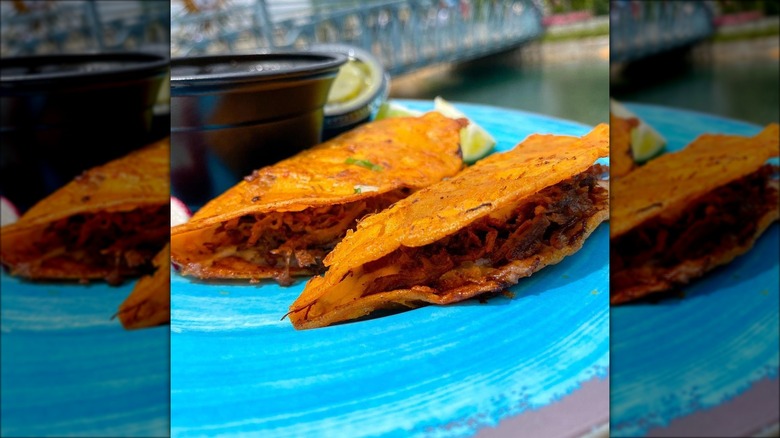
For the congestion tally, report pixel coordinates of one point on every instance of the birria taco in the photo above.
(282, 220)
(504, 218)
(621, 160)
(106, 224)
(149, 304)
(687, 212)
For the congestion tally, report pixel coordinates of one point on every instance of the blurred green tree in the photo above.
(768, 7)
(598, 7)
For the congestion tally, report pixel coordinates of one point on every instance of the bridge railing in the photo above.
(78, 26)
(403, 34)
(639, 29)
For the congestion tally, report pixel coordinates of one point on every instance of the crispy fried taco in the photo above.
(621, 160)
(149, 304)
(282, 220)
(688, 212)
(106, 224)
(504, 218)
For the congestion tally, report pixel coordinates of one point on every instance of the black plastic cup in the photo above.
(232, 114)
(63, 114)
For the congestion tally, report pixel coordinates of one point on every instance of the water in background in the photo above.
(735, 80)
(574, 88)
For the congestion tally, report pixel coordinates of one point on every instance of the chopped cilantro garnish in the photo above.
(358, 190)
(364, 163)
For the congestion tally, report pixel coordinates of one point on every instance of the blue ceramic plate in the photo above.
(68, 369)
(237, 367)
(684, 356)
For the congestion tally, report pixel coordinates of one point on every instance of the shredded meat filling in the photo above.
(297, 240)
(724, 218)
(553, 217)
(123, 243)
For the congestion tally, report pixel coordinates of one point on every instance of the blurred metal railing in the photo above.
(640, 29)
(403, 34)
(79, 26)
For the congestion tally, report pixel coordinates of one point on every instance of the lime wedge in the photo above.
(475, 142)
(348, 84)
(646, 142)
(390, 109)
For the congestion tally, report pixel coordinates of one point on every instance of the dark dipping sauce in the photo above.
(227, 70)
(63, 114)
(234, 67)
(48, 73)
(27, 71)
(233, 114)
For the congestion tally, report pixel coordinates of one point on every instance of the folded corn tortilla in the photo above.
(281, 221)
(149, 304)
(106, 224)
(685, 213)
(621, 160)
(500, 220)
